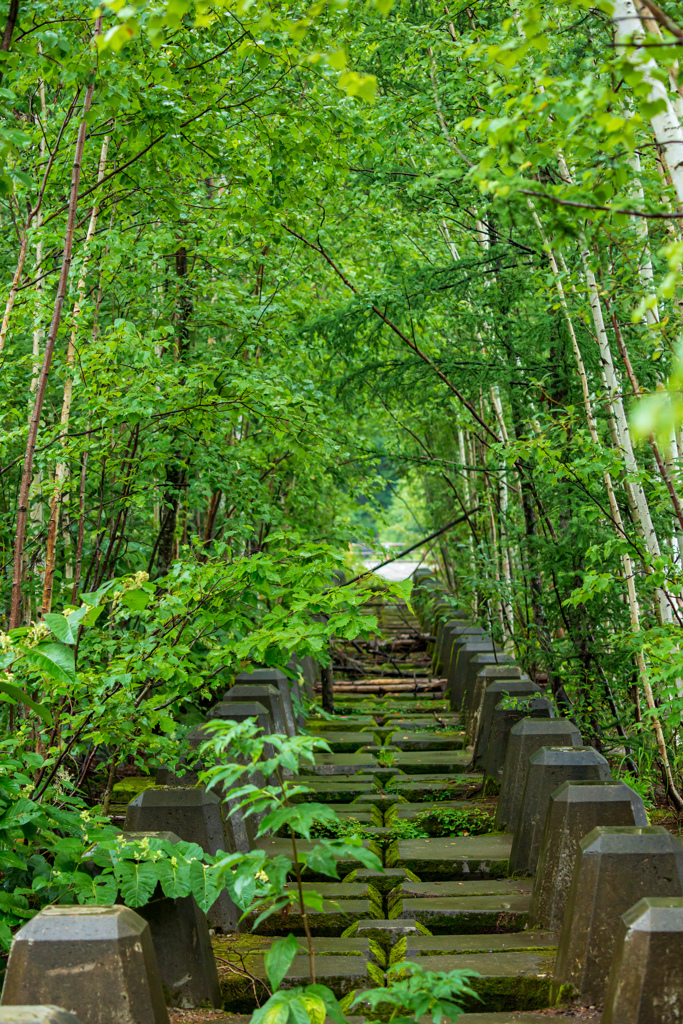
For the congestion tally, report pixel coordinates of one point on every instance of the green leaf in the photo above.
(60, 626)
(203, 883)
(174, 877)
(56, 660)
(84, 616)
(136, 600)
(137, 881)
(16, 693)
(278, 960)
(101, 890)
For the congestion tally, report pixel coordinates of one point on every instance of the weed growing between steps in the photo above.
(434, 823)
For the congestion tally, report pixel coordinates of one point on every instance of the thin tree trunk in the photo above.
(22, 505)
(61, 471)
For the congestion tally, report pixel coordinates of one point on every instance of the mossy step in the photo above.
(337, 792)
(443, 859)
(343, 974)
(241, 961)
(512, 1018)
(283, 848)
(368, 816)
(406, 811)
(339, 764)
(346, 742)
(472, 887)
(402, 721)
(460, 915)
(509, 980)
(378, 797)
(347, 723)
(333, 918)
(427, 741)
(429, 788)
(383, 881)
(432, 762)
(127, 789)
(433, 945)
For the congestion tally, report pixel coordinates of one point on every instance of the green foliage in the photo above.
(416, 992)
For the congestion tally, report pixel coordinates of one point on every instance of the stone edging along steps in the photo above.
(574, 901)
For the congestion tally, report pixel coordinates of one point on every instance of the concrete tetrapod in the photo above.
(262, 693)
(645, 984)
(196, 816)
(182, 943)
(96, 962)
(455, 633)
(548, 768)
(486, 676)
(275, 677)
(36, 1015)
(615, 868)
(240, 830)
(496, 689)
(507, 713)
(460, 659)
(575, 809)
(240, 711)
(525, 738)
(476, 664)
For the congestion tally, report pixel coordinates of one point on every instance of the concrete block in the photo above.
(36, 1015)
(574, 810)
(525, 738)
(455, 687)
(646, 977)
(182, 943)
(548, 768)
(614, 869)
(96, 962)
(262, 693)
(488, 673)
(240, 711)
(446, 632)
(504, 717)
(241, 831)
(276, 677)
(455, 634)
(196, 816)
(476, 664)
(493, 694)
(454, 857)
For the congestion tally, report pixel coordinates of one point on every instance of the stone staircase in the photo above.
(567, 903)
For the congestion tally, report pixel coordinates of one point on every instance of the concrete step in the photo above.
(340, 764)
(342, 791)
(432, 762)
(508, 980)
(444, 859)
(439, 945)
(427, 741)
(333, 918)
(283, 847)
(467, 914)
(429, 788)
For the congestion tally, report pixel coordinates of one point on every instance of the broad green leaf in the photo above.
(174, 876)
(278, 959)
(56, 660)
(100, 890)
(203, 884)
(137, 881)
(137, 600)
(60, 627)
(17, 694)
